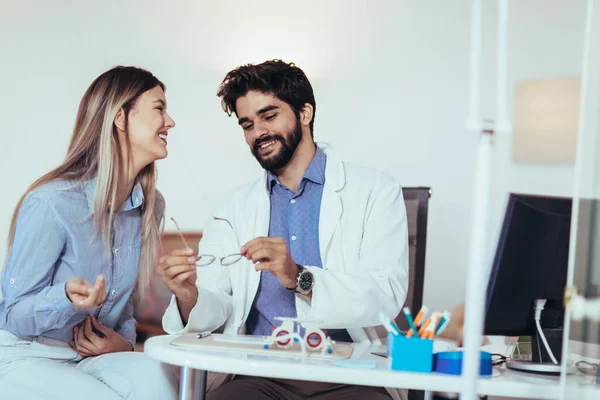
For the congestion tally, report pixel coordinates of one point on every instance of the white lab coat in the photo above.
(363, 239)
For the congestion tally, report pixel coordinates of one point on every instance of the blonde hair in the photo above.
(95, 151)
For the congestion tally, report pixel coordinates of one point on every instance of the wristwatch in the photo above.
(304, 282)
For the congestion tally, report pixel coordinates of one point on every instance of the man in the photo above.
(320, 239)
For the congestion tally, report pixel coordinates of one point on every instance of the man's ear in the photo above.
(120, 121)
(306, 114)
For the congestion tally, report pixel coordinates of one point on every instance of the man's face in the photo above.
(272, 129)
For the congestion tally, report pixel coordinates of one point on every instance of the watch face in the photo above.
(306, 281)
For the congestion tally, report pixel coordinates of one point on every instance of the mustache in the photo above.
(266, 139)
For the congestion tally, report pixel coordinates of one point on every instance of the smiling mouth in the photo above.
(267, 146)
(163, 136)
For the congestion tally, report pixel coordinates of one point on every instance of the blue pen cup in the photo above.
(410, 354)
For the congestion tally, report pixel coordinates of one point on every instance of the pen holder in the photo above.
(410, 354)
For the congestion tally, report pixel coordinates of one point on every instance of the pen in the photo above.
(411, 323)
(429, 328)
(424, 326)
(418, 320)
(388, 325)
(422, 312)
(443, 325)
(203, 334)
(442, 321)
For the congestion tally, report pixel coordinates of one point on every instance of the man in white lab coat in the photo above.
(317, 238)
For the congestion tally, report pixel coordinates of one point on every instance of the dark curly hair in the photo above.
(286, 81)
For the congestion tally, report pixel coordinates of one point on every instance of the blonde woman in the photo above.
(81, 238)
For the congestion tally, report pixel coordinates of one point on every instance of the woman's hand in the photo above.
(91, 338)
(84, 295)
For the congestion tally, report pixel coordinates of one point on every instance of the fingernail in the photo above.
(191, 259)
(243, 249)
(189, 251)
(162, 259)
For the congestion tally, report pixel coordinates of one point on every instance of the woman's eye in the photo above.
(160, 108)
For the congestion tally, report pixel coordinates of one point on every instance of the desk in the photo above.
(505, 382)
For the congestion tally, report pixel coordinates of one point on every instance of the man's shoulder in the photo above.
(366, 176)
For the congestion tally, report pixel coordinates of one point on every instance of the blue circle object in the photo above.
(266, 346)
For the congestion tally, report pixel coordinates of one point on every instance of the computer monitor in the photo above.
(530, 263)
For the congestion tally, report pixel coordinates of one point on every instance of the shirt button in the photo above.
(12, 281)
(293, 201)
(293, 237)
(113, 292)
(116, 251)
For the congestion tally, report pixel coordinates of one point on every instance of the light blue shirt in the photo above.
(295, 218)
(55, 240)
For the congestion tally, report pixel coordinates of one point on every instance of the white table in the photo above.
(504, 382)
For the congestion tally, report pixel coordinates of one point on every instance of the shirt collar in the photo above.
(135, 199)
(315, 171)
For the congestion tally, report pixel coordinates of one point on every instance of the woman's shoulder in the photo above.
(57, 193)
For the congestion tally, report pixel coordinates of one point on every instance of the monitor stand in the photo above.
(537, 367)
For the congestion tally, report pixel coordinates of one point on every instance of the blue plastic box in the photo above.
(414, 354)
(450, 362)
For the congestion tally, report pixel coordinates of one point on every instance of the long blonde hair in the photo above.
(95, 151)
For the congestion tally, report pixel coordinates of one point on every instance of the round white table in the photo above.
(195, 363)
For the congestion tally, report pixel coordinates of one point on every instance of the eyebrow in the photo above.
(159, 101)
(259, 112)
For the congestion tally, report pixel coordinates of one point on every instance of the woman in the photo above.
(78, 238)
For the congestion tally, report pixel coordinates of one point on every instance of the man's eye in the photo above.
(271, 116)
(246, 127)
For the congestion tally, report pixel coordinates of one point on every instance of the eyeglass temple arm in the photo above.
(223, 219)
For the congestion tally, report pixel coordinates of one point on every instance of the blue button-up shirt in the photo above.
(295, 218)
(55, 240)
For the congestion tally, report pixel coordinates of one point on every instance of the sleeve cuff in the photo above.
(172, 323)
(58, 294)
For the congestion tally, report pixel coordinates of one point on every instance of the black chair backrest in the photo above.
(417, 201)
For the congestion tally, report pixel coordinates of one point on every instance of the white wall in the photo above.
(390, 78)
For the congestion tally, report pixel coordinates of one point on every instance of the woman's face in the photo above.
(148, 125)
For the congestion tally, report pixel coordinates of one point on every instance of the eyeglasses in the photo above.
(203, 260)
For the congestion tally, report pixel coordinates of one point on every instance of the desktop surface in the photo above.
(503, 382)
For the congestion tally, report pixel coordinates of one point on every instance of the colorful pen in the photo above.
(419, 319)
(388, 325)
(411, 323)
(443, 324)
(203, 334)
(422, 313)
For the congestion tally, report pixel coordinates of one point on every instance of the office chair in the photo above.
(417, 202)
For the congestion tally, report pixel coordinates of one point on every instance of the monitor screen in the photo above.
(530, 263)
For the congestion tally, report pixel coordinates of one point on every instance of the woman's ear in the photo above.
(306, 114)
(120, 121)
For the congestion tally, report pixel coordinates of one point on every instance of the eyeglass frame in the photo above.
(210, 256)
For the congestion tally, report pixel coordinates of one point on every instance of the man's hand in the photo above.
(273, 255)
(178, 271)
(88, 343)
(84, 295)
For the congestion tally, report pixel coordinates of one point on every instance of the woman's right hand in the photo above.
(85, 295)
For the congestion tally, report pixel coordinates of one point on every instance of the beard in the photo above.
(276, 161)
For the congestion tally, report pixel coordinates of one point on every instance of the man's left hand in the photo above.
(87, 343)
(272, 254)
